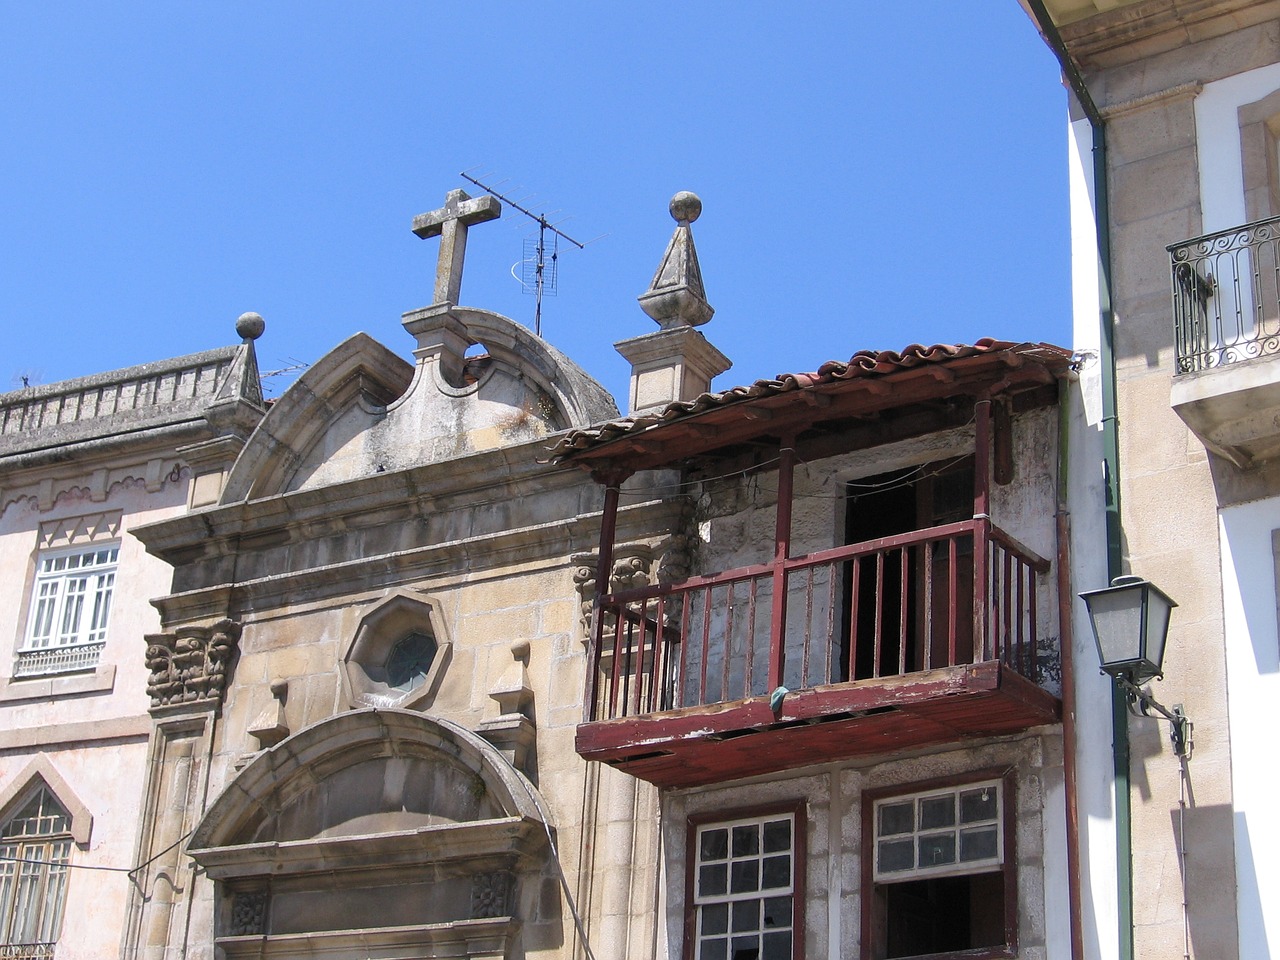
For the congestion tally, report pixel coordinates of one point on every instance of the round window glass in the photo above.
(409, 661)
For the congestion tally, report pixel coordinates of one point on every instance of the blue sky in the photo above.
(872, 174)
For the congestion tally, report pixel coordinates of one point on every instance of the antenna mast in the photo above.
(540, 255)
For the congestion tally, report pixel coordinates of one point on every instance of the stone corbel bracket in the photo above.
(190, 666)
(632, 563)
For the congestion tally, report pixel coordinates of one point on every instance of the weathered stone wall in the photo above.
(833, 813)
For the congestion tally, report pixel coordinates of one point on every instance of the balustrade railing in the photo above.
(26, 951)
(52, 660)
(949, 595)
(1226, 296)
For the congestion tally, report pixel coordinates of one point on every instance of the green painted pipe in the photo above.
(1111, 458)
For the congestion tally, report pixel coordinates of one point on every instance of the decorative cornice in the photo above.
(1181, 91)
(1136, 30)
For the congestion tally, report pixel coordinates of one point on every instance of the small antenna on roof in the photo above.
(534, 270)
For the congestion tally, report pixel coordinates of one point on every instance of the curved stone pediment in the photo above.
(336, 398)
(482, 382)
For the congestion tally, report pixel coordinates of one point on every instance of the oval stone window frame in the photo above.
(379, 643)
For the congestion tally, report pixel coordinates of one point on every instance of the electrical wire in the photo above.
(90, 866)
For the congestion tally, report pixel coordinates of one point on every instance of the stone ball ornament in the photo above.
(250, 326)
(685, 207)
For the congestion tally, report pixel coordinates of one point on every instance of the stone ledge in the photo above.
(76, 734)
(1233, 409)
(488, 939)
(101, 680)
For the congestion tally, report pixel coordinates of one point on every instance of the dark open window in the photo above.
(745, 887)
(939, 872)
(908, 599)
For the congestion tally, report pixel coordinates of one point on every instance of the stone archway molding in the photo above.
(389, 826)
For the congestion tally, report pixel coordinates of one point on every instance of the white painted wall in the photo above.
(1248, 562)
(1086, 503)
(1253, 689)
(1218, 143)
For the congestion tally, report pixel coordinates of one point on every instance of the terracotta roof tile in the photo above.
(865, 363)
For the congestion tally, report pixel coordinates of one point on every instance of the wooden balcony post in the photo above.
(604, 569)
(982, 526)
(781, 551)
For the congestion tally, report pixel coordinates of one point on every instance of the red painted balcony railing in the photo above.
(941, 597)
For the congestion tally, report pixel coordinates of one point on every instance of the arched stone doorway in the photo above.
(373, 833)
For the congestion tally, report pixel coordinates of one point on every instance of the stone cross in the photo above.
(450, 223)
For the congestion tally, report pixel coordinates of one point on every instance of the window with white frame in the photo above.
(938, 871)
(35, 852)
(69, 609)
(746, 887)
(939, 833)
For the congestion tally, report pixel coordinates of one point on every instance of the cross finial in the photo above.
(450, 223)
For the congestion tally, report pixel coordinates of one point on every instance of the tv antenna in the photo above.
(543, 280)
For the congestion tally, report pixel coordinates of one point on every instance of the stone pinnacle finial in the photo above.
(676, 297)
(249, 326)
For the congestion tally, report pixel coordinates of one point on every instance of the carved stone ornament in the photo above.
(635, 565)
(490, 895)
(190, 665)
(249, 914)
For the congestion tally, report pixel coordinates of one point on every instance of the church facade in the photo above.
(457, 660)
(464, 663)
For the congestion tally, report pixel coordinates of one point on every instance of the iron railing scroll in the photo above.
(1226, 296)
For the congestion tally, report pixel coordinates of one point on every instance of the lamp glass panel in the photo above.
(1158, 611)
(1117, 623)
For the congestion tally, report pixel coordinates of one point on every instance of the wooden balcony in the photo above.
(862, 650)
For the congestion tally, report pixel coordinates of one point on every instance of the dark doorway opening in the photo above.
(908, 606)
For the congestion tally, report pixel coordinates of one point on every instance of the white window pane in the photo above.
(938, 832)
(33, 880)
(896, 818)
(982, 843)
(937, 849)
(894, 855)
(70, 608)
(978, 805)
(937, 812)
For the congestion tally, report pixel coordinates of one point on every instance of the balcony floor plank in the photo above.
(835, 722)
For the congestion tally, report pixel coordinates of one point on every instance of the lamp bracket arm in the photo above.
(1179, 722)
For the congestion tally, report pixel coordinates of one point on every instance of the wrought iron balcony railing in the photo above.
(957, 594)
(1226, 296)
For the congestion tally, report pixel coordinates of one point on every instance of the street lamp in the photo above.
(1130, 622)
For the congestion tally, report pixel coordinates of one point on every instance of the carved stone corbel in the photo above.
(190, 665)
